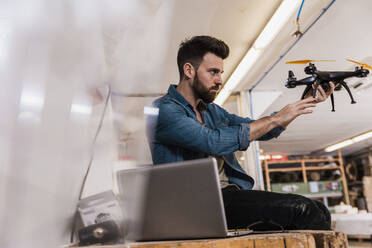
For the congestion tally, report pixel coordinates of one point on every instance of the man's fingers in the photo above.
(306, 111)
(307, 100)
(322, 92)
(309, 105)
(333, 86)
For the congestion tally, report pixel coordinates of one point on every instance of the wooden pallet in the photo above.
(291, 239)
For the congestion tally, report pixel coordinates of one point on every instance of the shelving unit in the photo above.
(305, 168)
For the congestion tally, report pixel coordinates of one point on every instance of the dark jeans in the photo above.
(262, 210)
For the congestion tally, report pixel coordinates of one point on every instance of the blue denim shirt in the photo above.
(175, 135)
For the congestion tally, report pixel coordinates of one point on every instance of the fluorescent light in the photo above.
(362, 136)
(349, 141)
(81, 109)
(30, 99)
(263, 157)
(277, 157)
(248, 61)
(150, 110)
(339, 145)
(276, 23)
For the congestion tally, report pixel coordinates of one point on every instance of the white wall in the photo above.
(51, 62)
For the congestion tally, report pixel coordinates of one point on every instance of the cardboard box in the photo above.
(369, 205)
(99, 208)
(367, 187)
(297, 188)
(308, 188)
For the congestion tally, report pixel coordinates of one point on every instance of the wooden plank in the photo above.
(220, 243)
(306, 241)
(310, 240)
(306, 168)
(179, 244)
(339, 240)
(285, 169)
(289, 239)
(304, 175)
(298, 161)
(239, 242)
(279, 240)
(343, 177)
(266, 242)
(233, 242)
(327, 239)
(268, 184)
(323, 168)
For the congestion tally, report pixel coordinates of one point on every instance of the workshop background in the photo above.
(78, 79)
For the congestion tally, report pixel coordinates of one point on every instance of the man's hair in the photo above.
(194, 49)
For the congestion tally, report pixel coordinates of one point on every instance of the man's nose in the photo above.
(218, 80)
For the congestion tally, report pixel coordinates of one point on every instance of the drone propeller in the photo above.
(305, 61)
(361, 64)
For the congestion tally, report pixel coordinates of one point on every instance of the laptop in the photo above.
(173, 201)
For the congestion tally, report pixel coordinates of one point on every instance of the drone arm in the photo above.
(307, 80)
(292, 82)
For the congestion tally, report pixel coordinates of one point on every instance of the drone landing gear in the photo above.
(343, 83)
(333, 103)
(307, 89)
(325, 87)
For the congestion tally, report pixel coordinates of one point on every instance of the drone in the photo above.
(323, 78)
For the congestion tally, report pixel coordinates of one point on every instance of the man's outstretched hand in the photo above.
(290, 112)
(321, 94)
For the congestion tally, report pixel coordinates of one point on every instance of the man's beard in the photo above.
(202, 92)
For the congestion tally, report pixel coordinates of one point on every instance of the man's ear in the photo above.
(188, 70)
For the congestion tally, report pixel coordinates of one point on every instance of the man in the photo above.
(190, 126)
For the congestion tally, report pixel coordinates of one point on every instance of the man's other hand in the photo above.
(321, 94)
(287, 114)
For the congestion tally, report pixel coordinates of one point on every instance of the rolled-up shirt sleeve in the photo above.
(245, 123)
(244, 136)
